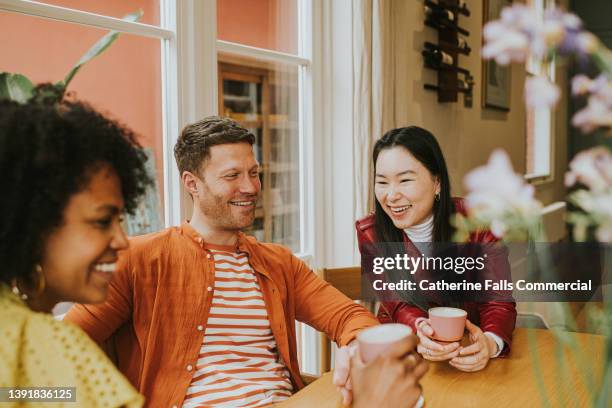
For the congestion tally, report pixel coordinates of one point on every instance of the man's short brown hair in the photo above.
(193, 145)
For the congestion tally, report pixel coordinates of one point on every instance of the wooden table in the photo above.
(505, 382)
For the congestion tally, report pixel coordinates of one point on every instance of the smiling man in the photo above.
(203, 315)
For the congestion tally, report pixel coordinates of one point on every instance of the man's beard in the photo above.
(219, 211)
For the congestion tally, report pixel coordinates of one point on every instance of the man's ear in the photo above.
(190, 181)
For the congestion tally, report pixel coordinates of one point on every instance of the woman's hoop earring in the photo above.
(41, 281)
(437, 197)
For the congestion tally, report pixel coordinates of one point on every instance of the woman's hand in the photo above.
(475, 356)
(391, 380)
(430, 349)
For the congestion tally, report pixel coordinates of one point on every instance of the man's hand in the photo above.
(430, 349)
(392, 380)
(475, 356)
(342, 369)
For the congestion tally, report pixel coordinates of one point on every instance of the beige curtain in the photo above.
(373, 91)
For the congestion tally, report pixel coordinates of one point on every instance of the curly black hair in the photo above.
(48, 152)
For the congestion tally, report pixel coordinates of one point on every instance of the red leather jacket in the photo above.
(493, 316)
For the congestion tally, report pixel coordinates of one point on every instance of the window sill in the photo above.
(538, 179)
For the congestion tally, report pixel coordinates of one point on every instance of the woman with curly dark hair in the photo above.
(67, 174)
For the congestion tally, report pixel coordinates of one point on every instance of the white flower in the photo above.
(595, 115)
(504, 45)
(604, 231)
(598, 112)
(598, 209)
(602, 89)
(498, 228)
(507, 39)
(581, 85)
(499, 197)
(593, 168)
(540, 92)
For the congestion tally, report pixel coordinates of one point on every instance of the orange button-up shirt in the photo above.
(160, 297)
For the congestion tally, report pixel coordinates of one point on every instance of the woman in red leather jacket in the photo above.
(413, 205)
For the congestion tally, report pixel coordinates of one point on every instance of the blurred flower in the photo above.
(519, 32)
(498, 228)
(587, 43)
(504, 44)
(560, 31)
(581, 85)
(507, 39)
(604, 231)
(597, 114)
(592, 168)
(499, 198)
(540, 92)
(597, 207)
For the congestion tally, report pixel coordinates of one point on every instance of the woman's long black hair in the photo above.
(425, 148)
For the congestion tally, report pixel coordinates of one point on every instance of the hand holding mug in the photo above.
(429, 348)
(475, 356)
(391, 379)
(372, 342)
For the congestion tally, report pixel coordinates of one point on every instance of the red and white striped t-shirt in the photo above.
(238, 364)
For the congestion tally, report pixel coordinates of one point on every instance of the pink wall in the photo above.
(270, 24)
(124, 82)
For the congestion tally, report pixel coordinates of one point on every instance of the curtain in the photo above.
(373, 91)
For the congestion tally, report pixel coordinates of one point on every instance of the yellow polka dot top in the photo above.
(39, 351)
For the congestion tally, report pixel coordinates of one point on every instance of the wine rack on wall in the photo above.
(444, 16)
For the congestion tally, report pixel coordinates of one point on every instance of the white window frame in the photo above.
(543, 140)
(303, 62)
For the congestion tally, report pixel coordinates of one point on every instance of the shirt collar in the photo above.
(244, 244)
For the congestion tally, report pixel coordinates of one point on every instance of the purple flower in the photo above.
(562, 30)
(520, 33)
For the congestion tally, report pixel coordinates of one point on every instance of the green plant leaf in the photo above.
(15, 87)
(98, 48)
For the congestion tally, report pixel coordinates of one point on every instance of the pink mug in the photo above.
(448, 323)
(373, 341)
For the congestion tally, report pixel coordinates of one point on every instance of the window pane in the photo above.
(264, 98)
(124, 82)
(114, 8)
(270, 24)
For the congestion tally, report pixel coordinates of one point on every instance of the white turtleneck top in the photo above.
(423, 233)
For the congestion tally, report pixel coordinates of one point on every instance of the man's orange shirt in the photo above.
(160, 297)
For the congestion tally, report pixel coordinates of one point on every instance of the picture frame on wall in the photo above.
(495, 78)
